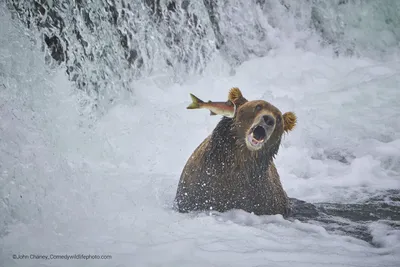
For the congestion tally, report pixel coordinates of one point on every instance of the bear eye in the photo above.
(257, 108)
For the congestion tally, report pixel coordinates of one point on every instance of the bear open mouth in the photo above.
(259, 133)
(257, 136)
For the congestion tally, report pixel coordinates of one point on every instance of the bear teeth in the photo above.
(254, 140)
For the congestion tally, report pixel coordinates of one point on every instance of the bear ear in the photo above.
(236, 97)
(289, 121)
(234, 94)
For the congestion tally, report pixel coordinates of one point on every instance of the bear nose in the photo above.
(269, 120)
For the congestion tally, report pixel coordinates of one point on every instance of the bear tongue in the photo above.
(255, 141)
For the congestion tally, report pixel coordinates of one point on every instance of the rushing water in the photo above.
(107, 44)
(94, 130)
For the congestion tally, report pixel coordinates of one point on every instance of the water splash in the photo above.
(104, 45)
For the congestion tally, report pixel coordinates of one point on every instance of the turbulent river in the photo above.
(94, 130)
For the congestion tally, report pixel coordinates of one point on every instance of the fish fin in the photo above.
(195, 102)
(212, 113)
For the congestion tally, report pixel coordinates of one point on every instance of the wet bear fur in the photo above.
(224, 173)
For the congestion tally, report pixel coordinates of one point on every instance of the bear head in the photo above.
(258, 123)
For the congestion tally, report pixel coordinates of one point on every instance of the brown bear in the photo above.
(233, 167)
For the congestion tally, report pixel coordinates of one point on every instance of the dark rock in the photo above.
(55, 46)
(351, 219)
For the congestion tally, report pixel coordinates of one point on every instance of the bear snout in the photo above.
(269, 120)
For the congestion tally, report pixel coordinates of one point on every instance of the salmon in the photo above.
(227, 109)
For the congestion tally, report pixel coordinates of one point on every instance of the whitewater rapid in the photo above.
(74, 185)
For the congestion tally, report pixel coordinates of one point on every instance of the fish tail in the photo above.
(196, 102)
